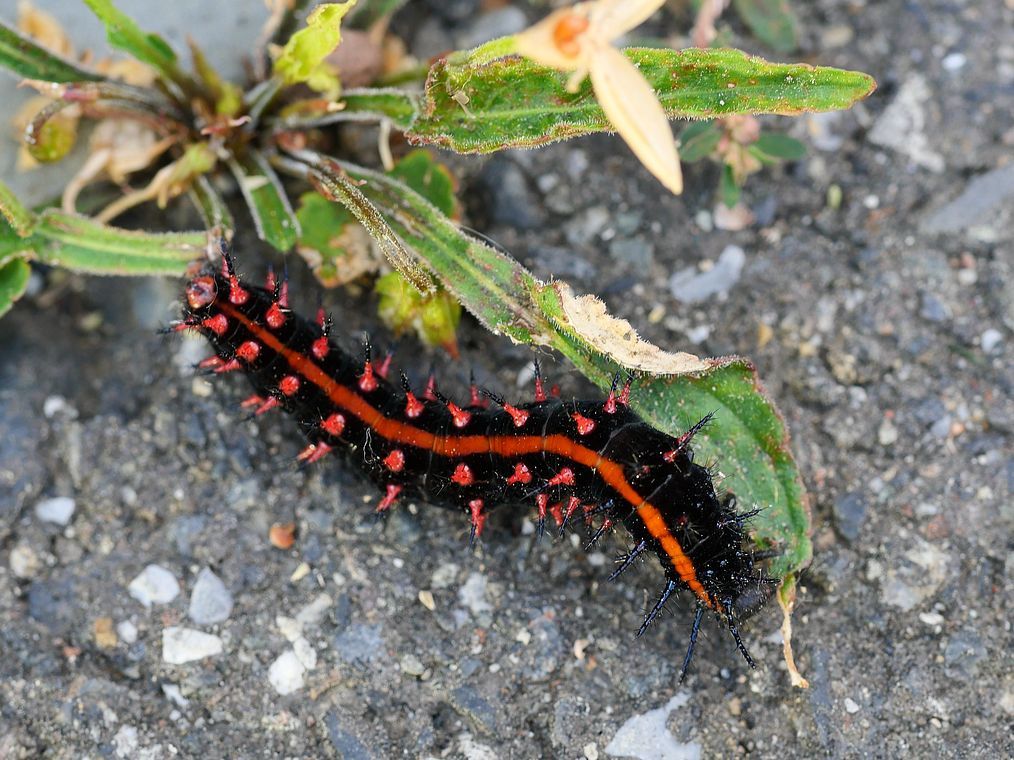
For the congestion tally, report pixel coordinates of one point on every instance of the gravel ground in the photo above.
(143, 612)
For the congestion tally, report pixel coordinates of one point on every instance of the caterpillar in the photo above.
(574, 461)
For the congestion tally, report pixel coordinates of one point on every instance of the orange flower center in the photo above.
(566, 32)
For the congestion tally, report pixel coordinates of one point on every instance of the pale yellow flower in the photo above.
(579, 39)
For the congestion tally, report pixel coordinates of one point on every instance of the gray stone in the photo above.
(981, 195)
(850, 513)
(54, 604)
(636, 252)
(185, 530)
(903, 124)
(690, 286)
(964, 651)
(541, 656)
(343, 736)
(210, 601)
(932, 308)
(584, 227)
(360, 643)
(553, 261)
(480, 712)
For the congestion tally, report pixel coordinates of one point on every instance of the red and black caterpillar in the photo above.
(574, 460)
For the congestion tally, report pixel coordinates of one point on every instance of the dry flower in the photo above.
(579, 39)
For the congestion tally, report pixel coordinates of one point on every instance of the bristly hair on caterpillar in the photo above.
(592, 462)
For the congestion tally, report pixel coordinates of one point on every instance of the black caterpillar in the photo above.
(574, 460)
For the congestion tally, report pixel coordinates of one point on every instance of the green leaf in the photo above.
(434, 317)
(513, 102)
(265, 197)
(30, 60)
(333, 183)
(13, 281)
(322, 242)
(432, 180)
(124, 33)
(17, 216)
(303, 55)
(84, 245)
(728, 190)
(747, 440)
(771, 21)
(228, 96)
(361, 104)
(398, 106)
(698, 141)
(780, 146)
(212, 206)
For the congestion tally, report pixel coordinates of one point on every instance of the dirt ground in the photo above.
(883, 327)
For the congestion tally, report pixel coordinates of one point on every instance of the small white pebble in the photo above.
(125, 742)
(850, 706)
(591, 751)
(954, 61)
(180, 645)
(172, 691)
(155, 585)
(305, 652)
(54, 405)
(57, 510)
(412, 665)
(990, 339)
(887, 434)
(127, 631)
(699, 334)
(24, 562)
(314, 612)
(286, 673)
(931, 618)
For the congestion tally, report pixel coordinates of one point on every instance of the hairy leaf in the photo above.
(84, 245)
(747, 440)
(20, 219)
(32, 61)
(360, 104)
(213, 208)
(265, 197)
(13, 281)
(124, 33)
(511, 102)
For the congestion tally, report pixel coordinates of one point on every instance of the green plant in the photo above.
(739, 147)
(477, 101)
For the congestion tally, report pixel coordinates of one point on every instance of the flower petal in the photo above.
(541, 43)
(613, 18)
(633, 109)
